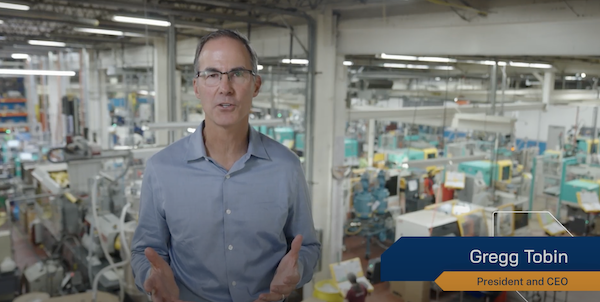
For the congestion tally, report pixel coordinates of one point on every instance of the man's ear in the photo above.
(257, 84)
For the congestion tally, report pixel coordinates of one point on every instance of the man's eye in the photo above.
(212, 75)
(238, 74)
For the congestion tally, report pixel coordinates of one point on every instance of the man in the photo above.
(220, 208)
(358, 292)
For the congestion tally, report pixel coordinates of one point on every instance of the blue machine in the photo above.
(363, 200)
(380, 194)
(370, 211)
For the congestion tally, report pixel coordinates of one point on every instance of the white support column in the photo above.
(338, 204)
(104, 122)
(178, 103)
(32, 100)
(161, 81)
(97, 103)
(325, 97)
(371, 142)
(548, 86)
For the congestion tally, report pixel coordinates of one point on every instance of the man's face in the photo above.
(228, 102)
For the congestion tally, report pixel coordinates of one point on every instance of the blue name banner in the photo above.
(424, 259)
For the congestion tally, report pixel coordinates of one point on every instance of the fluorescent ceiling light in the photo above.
(413, 58)
(529, 65)
(583, 75)
(571, 78)
(37, 72)
(13, 6)
(398, 57)
(144, 21)
(47, 43)
(492, 63)
(295, 61)
(135, 35)
(260, 67)
(348, 63)
(436, 59)
(99, 31)
(20, 56)
(412, 66)
(191, 130)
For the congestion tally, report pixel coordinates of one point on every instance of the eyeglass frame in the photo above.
(225, 72)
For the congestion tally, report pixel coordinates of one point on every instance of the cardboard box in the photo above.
(411, 291)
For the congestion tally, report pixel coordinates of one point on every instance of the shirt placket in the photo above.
(229, 236)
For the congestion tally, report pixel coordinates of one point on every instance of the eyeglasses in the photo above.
(236, 76)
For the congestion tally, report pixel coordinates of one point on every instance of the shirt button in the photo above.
(228, 211)
(227, 176)
(230, 247)
(233, 283)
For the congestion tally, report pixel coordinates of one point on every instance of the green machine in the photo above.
(299, 144)
(568, 192)
(584, 144)
(389, 141)
(283, 134)
(397, 157)
(351, 148)
(502, 169)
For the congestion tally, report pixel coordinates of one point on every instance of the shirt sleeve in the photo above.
(300, 222)
(152, 230)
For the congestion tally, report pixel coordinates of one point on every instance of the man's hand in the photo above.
(287, 275)
(160, 283)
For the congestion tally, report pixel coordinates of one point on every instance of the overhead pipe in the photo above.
(444, 3)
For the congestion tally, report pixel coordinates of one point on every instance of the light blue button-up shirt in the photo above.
(224, 232)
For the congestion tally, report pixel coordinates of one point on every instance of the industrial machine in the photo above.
(284, 135)
(85, 203)
(370, 211)
(569, 190)
(390, 141)
(412, 192)
(426, 223)
(587, 145)
(498, 171)
(351, 152)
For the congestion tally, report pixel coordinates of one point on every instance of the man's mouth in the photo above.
(225, 105)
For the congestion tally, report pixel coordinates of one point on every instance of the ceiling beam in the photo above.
(249, 7)
(47, 16)
(170, 10)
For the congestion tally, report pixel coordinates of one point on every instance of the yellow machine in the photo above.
(430, 153)
(502, 169)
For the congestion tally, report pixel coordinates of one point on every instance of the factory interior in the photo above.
(410, 117)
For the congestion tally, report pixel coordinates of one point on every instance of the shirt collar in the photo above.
(196, 148)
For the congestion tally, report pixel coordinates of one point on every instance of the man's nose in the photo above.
(225, 84)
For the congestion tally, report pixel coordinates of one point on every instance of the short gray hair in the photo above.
(229, 34)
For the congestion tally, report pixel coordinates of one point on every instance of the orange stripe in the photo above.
(520, 281)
